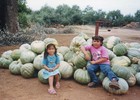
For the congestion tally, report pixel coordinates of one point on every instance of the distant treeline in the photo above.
(66, 15)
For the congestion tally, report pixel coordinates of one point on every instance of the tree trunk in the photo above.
(9, 15)
(2, 16)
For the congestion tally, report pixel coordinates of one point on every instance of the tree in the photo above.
(88, 15)
(128, 19)
(137, 16)
(23, 11)
(115, 17)
(9, 19)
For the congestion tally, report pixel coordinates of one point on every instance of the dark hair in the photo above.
(46, 49)
(99, 38)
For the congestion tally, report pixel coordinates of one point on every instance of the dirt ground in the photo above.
(14, 87)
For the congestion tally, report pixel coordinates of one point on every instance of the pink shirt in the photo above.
(98, 53)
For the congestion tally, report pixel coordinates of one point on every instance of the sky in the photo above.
(125, 6)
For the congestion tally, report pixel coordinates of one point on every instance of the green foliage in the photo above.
(137, 16)
(67, 15)
(23, 11)
(115, 17)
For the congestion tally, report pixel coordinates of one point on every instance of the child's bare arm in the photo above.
(87, 57)
(47, 68)
(56, 66)
(101, 60)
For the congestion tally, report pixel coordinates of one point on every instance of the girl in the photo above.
(51, 63)
(100, 60)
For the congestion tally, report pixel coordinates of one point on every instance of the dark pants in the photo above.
(105, 68)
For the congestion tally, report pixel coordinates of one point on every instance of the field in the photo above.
(17, 88)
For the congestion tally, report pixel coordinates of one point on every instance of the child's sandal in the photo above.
(51, 91)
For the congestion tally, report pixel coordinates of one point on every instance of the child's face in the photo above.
(96, 43)
(51, 50)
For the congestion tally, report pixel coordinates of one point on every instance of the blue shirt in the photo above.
(51, 61)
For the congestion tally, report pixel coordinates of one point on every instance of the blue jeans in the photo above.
(105, 68)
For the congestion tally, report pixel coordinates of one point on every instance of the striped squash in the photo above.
(122, 83)
(120, 49)
(66, 70)
(81, 76)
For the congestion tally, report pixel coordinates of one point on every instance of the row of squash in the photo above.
(124, 57)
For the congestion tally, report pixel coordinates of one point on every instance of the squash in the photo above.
(40, 77)
(122, 83)
(69, 55)
(38, 46)
(81, 76)
(79, 60)
(120, 49)
(122, 61)
(27, 70)
(63, 50)
(124, 73)
(25, 47)
(133, 52)
(15, 66)
(5, 61)
(7, 53)
(89, 41)
(138, 78)
(16, 54)
(111, 41)
(60, 56)
(111, 54)
(27, 57)
(83, 35)
(76, 43)
(38, 62)
(66, 70)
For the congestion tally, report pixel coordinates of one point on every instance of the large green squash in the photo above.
(27, 57)
(83, 35)
(81, 76)
(63, 50)
(38, 62)
(133, 53)
(122, 83)
(27, 70)
(16, 54)
(79, 60)
(15, 66)
(122, 61)
(25, 47)
(7, 53)
(66, 70)
(120, 49)
(138, 78)
(38, 46)
(111, 41)
(40, 77)
(5, 61)
(111, 54)
(76, 43)
(60, 56)
(69, 55)
(124, 73)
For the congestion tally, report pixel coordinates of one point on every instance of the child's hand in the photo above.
(87, 57)
(50, 69)
(92, 62)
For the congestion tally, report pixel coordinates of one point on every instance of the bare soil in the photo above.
(13, 87)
